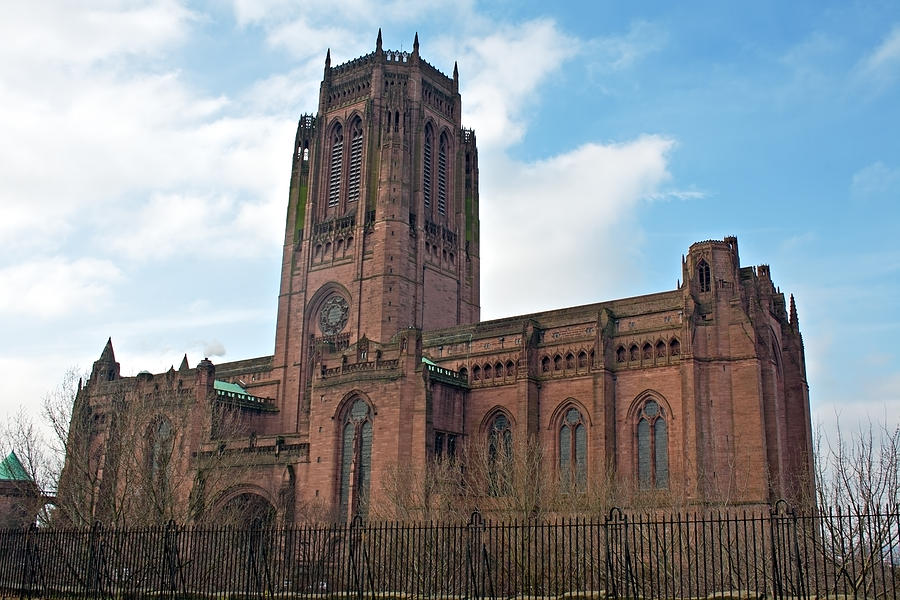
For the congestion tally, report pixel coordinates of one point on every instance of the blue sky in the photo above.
(145, 154)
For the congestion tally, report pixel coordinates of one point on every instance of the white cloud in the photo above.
(883, 63)
(213, 348)
(619, 52)
(57, 286)
(505, 70)
(560, 231)
(82, 33)
(875, 180)
(210, 226)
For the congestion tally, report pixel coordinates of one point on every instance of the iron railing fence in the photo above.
(773, 553)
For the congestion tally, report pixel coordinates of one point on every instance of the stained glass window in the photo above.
(652, 447)
(356, 457)
(573, 451)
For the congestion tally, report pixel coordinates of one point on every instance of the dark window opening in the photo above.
(703, 275)
(652, 448)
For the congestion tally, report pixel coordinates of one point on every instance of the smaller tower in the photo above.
(106, 368)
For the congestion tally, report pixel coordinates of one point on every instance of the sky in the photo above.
(145, 152)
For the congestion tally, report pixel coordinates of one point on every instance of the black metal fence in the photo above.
(774, 553)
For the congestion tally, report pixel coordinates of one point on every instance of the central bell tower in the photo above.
(382, 229)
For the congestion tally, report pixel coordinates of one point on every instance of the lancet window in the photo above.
(652, 447)
(337, 158)
(356, 457)
(160, 445)
(500, 454)
(573, 451)
(426, 166)
(356, 150)
(442, 174)
(703, 275)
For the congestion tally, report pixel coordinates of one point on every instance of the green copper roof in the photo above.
(427, 361)
(224, 386)
(12, 470)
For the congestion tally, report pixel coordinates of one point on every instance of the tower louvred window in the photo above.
(442, 175)
(356, 147)
(337, 158)
(426, 166)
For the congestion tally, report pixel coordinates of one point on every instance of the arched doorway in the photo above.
(244, 510)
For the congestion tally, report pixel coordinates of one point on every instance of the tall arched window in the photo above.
(356, 148)
(426, 166)
(442, 174)
(500, 455)
(703, 275)
(160, 443)
(652, 447)
(356, 457)
(337, 159)
(573, 451)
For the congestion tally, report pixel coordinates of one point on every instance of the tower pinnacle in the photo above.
(416, 44)
(794, 321)
(378, 47)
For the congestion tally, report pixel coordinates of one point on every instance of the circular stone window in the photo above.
(333, 315)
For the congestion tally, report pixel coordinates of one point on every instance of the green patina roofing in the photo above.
(428, 361)
(224, 386)
(11, 469)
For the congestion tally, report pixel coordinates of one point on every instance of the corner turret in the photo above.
(106, 368)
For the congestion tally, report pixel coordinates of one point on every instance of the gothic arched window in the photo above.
(160, 443)
(652, 447)
(356, 149)
(500, 455)
(703, 275)
(573, 451)
(442, 174)
(500, 438)
(426, 166)
(356, 457)
(337, 159)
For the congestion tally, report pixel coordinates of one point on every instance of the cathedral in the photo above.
(380, 357)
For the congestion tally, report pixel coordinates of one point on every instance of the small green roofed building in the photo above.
(20, 498)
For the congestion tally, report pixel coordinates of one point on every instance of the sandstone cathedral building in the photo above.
(380, 358)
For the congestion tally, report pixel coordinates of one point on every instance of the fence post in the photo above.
(476, 524)
(614, 526)
(94, 560)
(359, 563)
(173, 561)
(32, 558)
(776, 514)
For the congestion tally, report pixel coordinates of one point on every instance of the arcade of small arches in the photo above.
(648, 352)
(567, 363)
